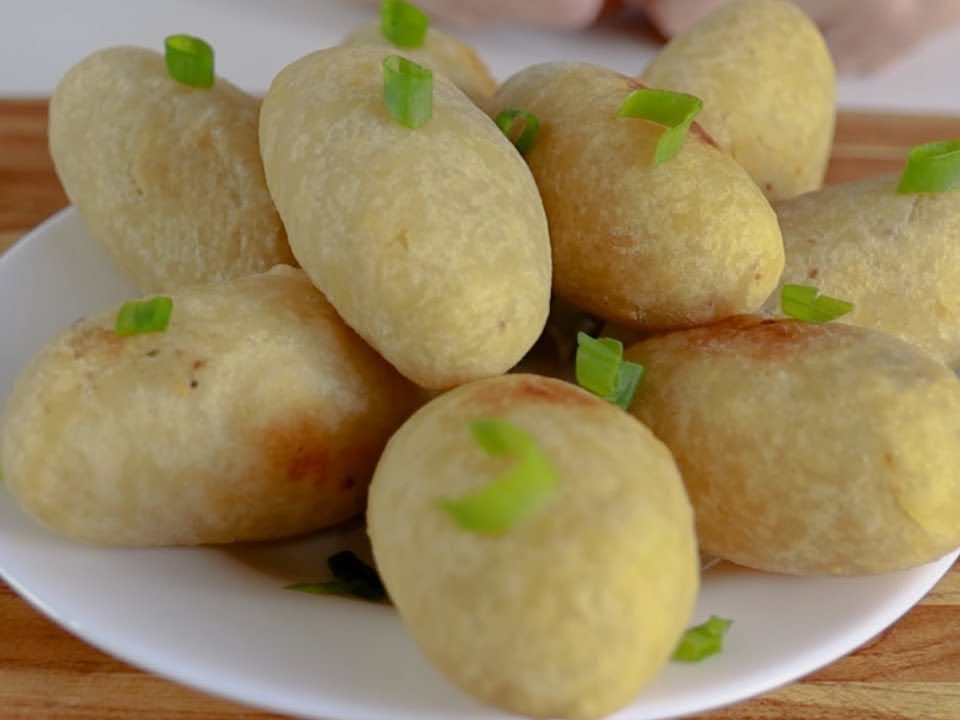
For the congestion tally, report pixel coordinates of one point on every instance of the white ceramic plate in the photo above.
(220, 620)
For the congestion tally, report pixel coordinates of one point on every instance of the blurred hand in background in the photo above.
(863, 35)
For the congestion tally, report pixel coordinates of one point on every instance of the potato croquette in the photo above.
(257, 414)
(168, 177)
(686, 242)
(599, 583)
(768, 87)
(808, 448)
(431, 243)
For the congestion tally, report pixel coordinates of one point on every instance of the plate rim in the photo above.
(775, 677)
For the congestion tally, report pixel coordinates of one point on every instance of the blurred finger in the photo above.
(566, 14)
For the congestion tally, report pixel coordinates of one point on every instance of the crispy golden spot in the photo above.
(533, 390)
(296, 450)
(757, 338)
(96, 340)
(698, 132)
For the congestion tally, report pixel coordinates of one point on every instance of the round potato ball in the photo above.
(257, 414)
(808, 448)
(167, 176)
(571, 610)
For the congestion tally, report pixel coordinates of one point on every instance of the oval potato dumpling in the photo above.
(431, 243)
(768, 87)
(808, 448)
(257, 414)
(168, 177)
(599, 583)
(686, 242)
(895, 257)
(442, 53)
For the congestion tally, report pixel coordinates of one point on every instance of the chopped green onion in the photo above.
(628, 380)
(801, 302)
(189, 60)
(407, 91)
(598, 361)
(509, 120)
(601, 369)
(498, 437)
(403, 23)
(932, 168)
(516, 494)
(673, 110)
(702, 641)
(353, 578)
(144, 316)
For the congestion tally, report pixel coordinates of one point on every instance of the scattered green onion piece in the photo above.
(144, 316)
(498, 437)
(702, 641)
(801, 302)
(407, 91)
(509, 120)
(516, 494)
(598, 362)
(353, 578)
(628, 380)
(932, 168)
(189, 60)
(403, 23)
(673, 110)
(601, 369)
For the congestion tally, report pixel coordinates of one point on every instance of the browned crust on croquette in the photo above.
(758, 338)
(533, 390)
(695, 129)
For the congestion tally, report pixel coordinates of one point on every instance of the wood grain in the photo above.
(910, 672)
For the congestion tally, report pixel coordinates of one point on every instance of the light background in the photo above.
(254, 39)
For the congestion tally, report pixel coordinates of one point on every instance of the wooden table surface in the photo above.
(910, 672)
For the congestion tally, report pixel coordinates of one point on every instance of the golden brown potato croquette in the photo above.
(683, 243)
(257, 414)
(431, 243)
(168, 177)
(599, 583)
(768, 86)
(895, 257)
(808, 448)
